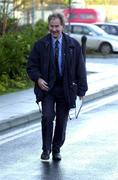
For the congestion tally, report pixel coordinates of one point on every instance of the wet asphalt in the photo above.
(90, 151)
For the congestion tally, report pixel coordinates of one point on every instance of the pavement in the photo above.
(20, 108)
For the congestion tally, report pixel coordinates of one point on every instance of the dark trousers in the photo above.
(54, 105)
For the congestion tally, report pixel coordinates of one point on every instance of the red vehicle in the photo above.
(84, 15)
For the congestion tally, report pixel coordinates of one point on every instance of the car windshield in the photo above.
(98, 30)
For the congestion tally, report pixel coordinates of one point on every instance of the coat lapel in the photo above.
(67, 51)
(49, 54)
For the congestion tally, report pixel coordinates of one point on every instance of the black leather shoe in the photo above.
(45, 155)
(56, 156)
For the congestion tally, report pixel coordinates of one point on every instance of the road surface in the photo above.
(89, 153)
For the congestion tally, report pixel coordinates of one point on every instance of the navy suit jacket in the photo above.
(41, 64)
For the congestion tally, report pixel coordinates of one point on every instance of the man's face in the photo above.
(55, 27)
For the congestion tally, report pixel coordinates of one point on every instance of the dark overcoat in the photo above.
(41, 65)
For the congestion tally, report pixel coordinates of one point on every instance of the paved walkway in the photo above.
(20, 107)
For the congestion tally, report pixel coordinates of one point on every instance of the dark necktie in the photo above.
(56, 57)
(56, 49)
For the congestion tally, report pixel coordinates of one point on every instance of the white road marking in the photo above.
(36, 127)
(19, 133)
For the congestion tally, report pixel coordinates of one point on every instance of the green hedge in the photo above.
(14, 48)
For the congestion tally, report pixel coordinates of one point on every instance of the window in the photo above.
(87, 16)
(86, 30)
(81, 16)
(78, 29)
(112, 30)
(67, 29)
(73, 16)
(105, 28)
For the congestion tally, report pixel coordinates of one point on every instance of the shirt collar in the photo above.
(59, 39)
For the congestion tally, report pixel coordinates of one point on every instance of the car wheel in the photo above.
(105, 48)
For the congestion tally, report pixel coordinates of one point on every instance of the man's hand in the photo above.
(43, 84)
(81, 97)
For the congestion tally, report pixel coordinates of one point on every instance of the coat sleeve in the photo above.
(81, 73)
(33, 64)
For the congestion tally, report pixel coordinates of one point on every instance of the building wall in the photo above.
(111, 11)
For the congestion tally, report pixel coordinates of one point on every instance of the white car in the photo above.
(97, 39)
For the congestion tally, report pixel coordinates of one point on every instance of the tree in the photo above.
(7, 9)
(3, 14)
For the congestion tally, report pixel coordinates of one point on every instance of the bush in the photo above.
(14, 48)
(11, 55)
(40, 29)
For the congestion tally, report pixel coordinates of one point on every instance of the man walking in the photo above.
(57, 67)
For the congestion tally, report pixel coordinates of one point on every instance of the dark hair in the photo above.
(55, 16)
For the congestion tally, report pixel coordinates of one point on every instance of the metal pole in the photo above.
(33, 13)
(69, 15)
(83, 40)
(42, 10)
